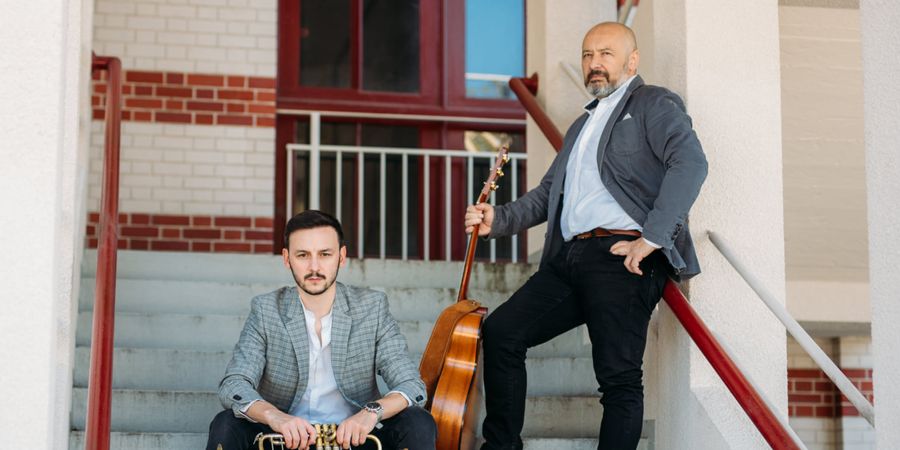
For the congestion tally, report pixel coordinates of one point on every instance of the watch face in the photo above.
(375, 406)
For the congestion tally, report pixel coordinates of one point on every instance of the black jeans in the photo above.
(583, 284)
(412, 428)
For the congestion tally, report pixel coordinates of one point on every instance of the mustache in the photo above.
(602, 73)
(313, 274)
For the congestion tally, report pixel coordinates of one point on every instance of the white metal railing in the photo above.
(315, 150)
(800, 335)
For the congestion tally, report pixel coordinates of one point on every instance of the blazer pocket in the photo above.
(625, 137)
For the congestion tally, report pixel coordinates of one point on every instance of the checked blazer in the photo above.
(271, 357)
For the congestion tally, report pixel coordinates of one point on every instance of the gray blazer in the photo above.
(271, 358)
(651, 162)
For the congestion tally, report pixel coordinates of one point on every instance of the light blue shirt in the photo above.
(587, 203)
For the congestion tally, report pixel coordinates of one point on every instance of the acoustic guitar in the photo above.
(450, 363)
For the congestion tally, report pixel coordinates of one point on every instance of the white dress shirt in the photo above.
(587, 203)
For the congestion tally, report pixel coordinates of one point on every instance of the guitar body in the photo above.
(457, 396)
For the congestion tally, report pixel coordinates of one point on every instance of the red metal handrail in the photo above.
(772, 430)
(100, 378)
(525, 89)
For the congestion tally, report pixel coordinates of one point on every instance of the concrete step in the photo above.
(207, 297)
(194, 441)
(190, 412)
(269, 269)
(188, 370)
(220, 332)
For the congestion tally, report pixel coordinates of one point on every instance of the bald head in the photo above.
(609, 57)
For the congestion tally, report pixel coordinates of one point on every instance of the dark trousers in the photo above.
(583, 284)
(413, 428)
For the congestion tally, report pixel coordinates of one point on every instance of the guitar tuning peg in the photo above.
(493, 186)
(499, 172)
(505, 158)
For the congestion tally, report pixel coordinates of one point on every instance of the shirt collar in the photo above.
(613, 98)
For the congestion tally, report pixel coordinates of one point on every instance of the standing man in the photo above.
(309, 354)
(616, 200)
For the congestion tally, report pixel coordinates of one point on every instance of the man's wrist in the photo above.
(376, 409)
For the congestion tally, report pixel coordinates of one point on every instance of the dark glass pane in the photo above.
(325, 43)
(495, 46)
(391, 45)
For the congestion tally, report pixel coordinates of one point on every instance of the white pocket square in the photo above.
(627, 116)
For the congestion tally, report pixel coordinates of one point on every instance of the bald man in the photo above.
(616, 201)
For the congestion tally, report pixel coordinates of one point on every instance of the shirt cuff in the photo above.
(247, 408)
(652, 244)
(408, 401)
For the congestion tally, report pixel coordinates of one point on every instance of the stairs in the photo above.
(179, 315)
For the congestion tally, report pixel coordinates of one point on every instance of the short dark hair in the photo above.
(312, 218)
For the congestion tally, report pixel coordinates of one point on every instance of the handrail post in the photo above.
(315, 141)
(100, 378)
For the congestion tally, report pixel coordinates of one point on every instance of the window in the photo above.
(495, 47)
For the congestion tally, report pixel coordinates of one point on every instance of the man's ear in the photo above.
(343, 253)
(633, 60)
(286, 257)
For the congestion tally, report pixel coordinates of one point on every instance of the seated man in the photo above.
(309, 354)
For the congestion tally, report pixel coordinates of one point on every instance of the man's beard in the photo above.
(602, 90)
(302, 285)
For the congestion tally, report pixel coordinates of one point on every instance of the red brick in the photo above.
(265, 121)
(803, 386)
(173, 117)
(143, 103)
(803, 411)
(824, 411)
(92, 243)
(91, 230)
(233, 235)
(201, 246)
(205, 106)
(94, 217)
(98, 114)
(139, 232)
(849, 411)
(263, 222)
(805, 373)
(866, 386)
(140, 219)
(170, 245)
(205, 80)
(259, 247)
(95, 100)
(231, 247)
(251, 235)
(171, 220)
(193, 233)
(98, 74)
(143, 116)
(123, 218)
(265, 96)
(258, 82)
(174, 78)
(143, 90)
(262, 109)
(99, 88)
(203, 119)
(234, 94)
(139, 244)
(176, 105)
(804, 398)
(233, 221)
(174, 92)
(236, 108)
(126, 115)
(205, 93)
(235, 81)
(143, 77)
(234, 120)
(171, 233)
(123, 244)
(824, 386)
(856, 373)
(201, 221)
(126, 89)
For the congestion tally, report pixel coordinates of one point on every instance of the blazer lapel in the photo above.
(295, 322)
(340, 333)
(614, 117)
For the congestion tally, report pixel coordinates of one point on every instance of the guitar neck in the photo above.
(470, 258)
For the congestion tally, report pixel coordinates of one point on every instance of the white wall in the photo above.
(880, 46)
(43, 95)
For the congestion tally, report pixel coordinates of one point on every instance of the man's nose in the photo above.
(314, 262)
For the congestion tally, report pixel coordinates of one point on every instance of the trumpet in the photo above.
(326, 439)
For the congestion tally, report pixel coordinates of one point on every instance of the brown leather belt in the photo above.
(603, 232)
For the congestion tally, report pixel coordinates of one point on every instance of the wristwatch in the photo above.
(374, 407)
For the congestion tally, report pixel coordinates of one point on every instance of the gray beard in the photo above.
(601, 91)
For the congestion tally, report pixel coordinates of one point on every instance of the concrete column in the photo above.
(43, 110)
(880, 24)
(553, 36)
(723, 58)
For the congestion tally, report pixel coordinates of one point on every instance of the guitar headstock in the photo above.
(496, 172)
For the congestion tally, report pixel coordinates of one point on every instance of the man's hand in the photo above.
(297, 432)
(482, 215)
(354, 430)
(634, 252)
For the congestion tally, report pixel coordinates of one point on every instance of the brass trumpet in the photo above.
(326, 438)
